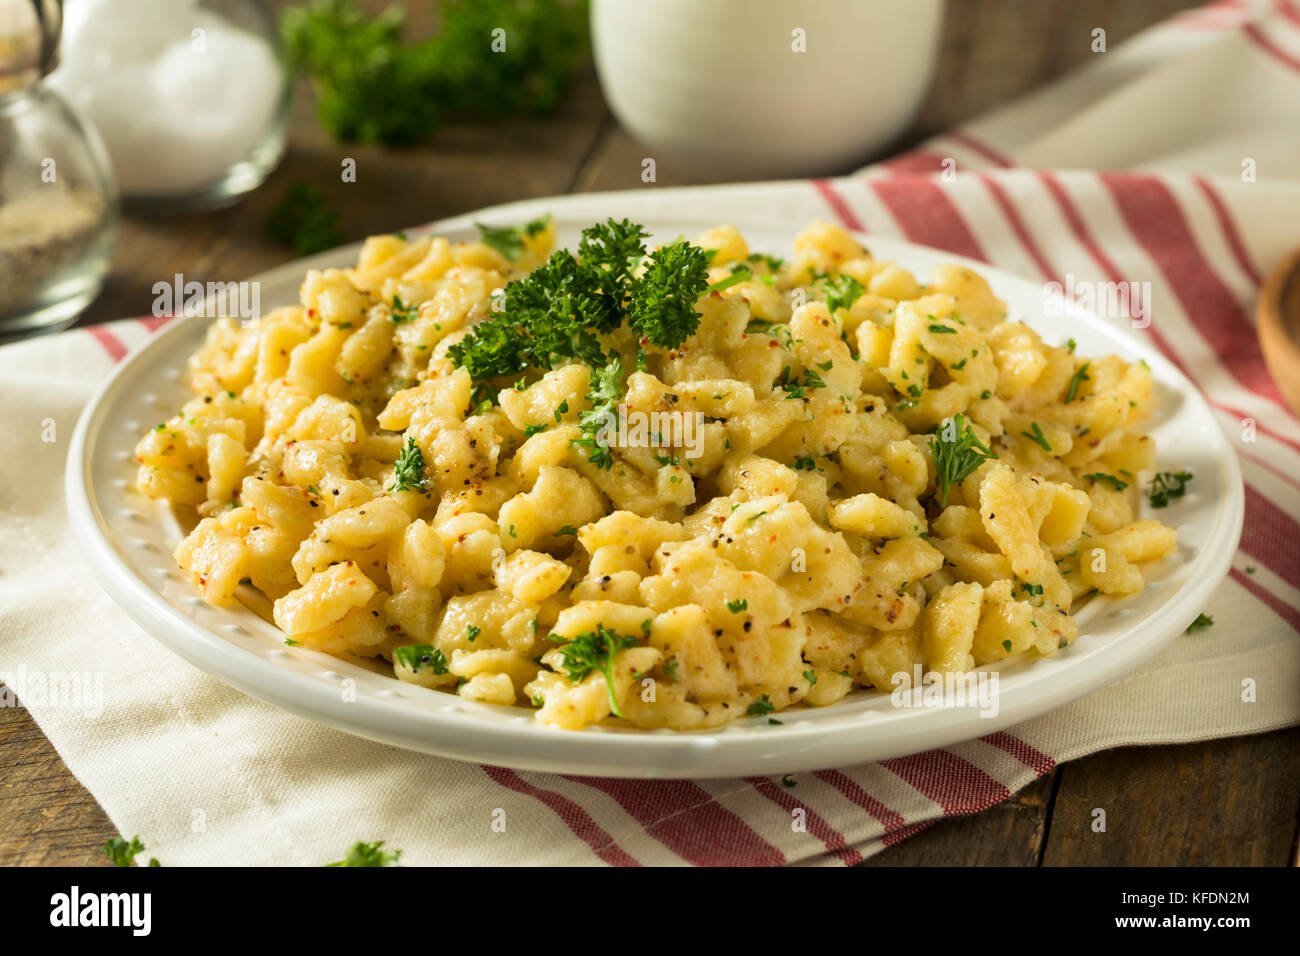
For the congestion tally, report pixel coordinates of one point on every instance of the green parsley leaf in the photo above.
(1079, 377)
(594, 651)
(611, 251)
(604, 388)
(738, 605)
(401, 312)
(408, 470)
(956, 459)
(369, 854)
(760, 707)
(1119, 484)
(509, 240)
(661, 306)
(1166, 486)
(304, 221)
(842, 291)
(121, 851)
(415, 656)
(741, 274)
(1037, 437)
(774, 263)
(1202, 621)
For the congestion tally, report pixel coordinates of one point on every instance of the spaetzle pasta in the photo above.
(847, 472)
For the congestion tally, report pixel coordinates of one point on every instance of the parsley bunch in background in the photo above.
(375, 88)
(304, 221)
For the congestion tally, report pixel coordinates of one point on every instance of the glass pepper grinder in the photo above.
(58, 201)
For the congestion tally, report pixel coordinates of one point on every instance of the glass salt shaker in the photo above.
(192, 97)
(58, 202)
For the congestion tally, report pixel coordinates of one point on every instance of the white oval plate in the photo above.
(128, 540)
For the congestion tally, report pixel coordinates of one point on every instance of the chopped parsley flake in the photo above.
(1119, 484)
(416, 656)
(1036, 436)
(1166, 486)
(402, 312)
(509, 240)
(842, 292)
(1077, 379)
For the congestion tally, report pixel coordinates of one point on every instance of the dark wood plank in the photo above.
(1223, 802)
(47, 818)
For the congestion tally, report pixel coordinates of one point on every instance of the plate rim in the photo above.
(637, 754)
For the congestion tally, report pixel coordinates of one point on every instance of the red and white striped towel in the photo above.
(206, 775)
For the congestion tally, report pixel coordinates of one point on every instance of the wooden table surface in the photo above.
(1221, 802)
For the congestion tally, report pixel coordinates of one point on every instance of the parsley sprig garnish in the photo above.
(594, 651)
(559, 312)
(556, 313)
(956, 458)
